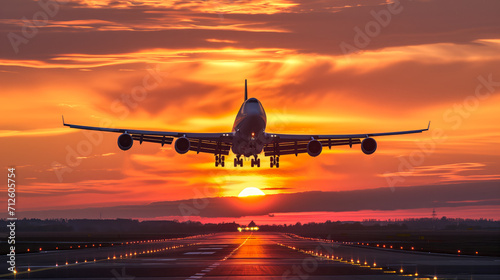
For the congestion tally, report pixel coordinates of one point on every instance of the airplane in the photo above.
(248, 138)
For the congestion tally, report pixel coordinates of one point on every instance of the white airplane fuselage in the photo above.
(249, 129)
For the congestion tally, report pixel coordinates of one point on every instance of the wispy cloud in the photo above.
(93, 54)
(33, 132)
(449, 172)
(464, 195)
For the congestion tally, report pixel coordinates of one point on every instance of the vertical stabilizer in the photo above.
(246, 92)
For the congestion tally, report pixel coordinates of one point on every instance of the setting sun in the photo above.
(251, 191)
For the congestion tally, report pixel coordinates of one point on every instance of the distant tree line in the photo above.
(189, 227)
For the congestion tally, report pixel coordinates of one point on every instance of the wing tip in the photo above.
(429, 125)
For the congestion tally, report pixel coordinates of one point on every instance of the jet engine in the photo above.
(125, 141)
(182, 145)
(368, 146)
(314, 148)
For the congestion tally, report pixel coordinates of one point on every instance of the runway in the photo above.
(247, 255)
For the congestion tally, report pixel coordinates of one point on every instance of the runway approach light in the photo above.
(240, 229)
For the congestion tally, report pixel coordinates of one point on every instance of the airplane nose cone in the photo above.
(254, 126)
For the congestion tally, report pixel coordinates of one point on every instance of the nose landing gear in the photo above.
(238, 161)
(255, 161)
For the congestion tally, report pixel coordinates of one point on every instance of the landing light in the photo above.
(240, 229)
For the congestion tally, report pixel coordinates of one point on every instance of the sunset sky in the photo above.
(181, 66)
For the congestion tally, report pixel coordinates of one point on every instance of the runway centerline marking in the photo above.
(199, 253)
(215, 264)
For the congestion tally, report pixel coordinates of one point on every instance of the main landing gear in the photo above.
(219, 160)
(275, 161)
(238, 161)
(255, 161)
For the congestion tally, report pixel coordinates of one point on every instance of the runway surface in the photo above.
(247, 255)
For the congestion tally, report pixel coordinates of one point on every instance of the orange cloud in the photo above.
(89, 60)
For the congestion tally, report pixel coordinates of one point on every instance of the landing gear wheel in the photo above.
(277, 165)
(272, 162)
(238, 161)
(219, 160)
(252, 162)
(255, 161)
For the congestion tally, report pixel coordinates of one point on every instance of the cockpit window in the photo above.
(249, 104)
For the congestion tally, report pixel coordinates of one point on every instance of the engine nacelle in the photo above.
(182, 145)
(125, 141)
(369, 146)
(314, 148)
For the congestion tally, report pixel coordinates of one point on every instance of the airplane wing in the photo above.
(212, 143)
(284, 144)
